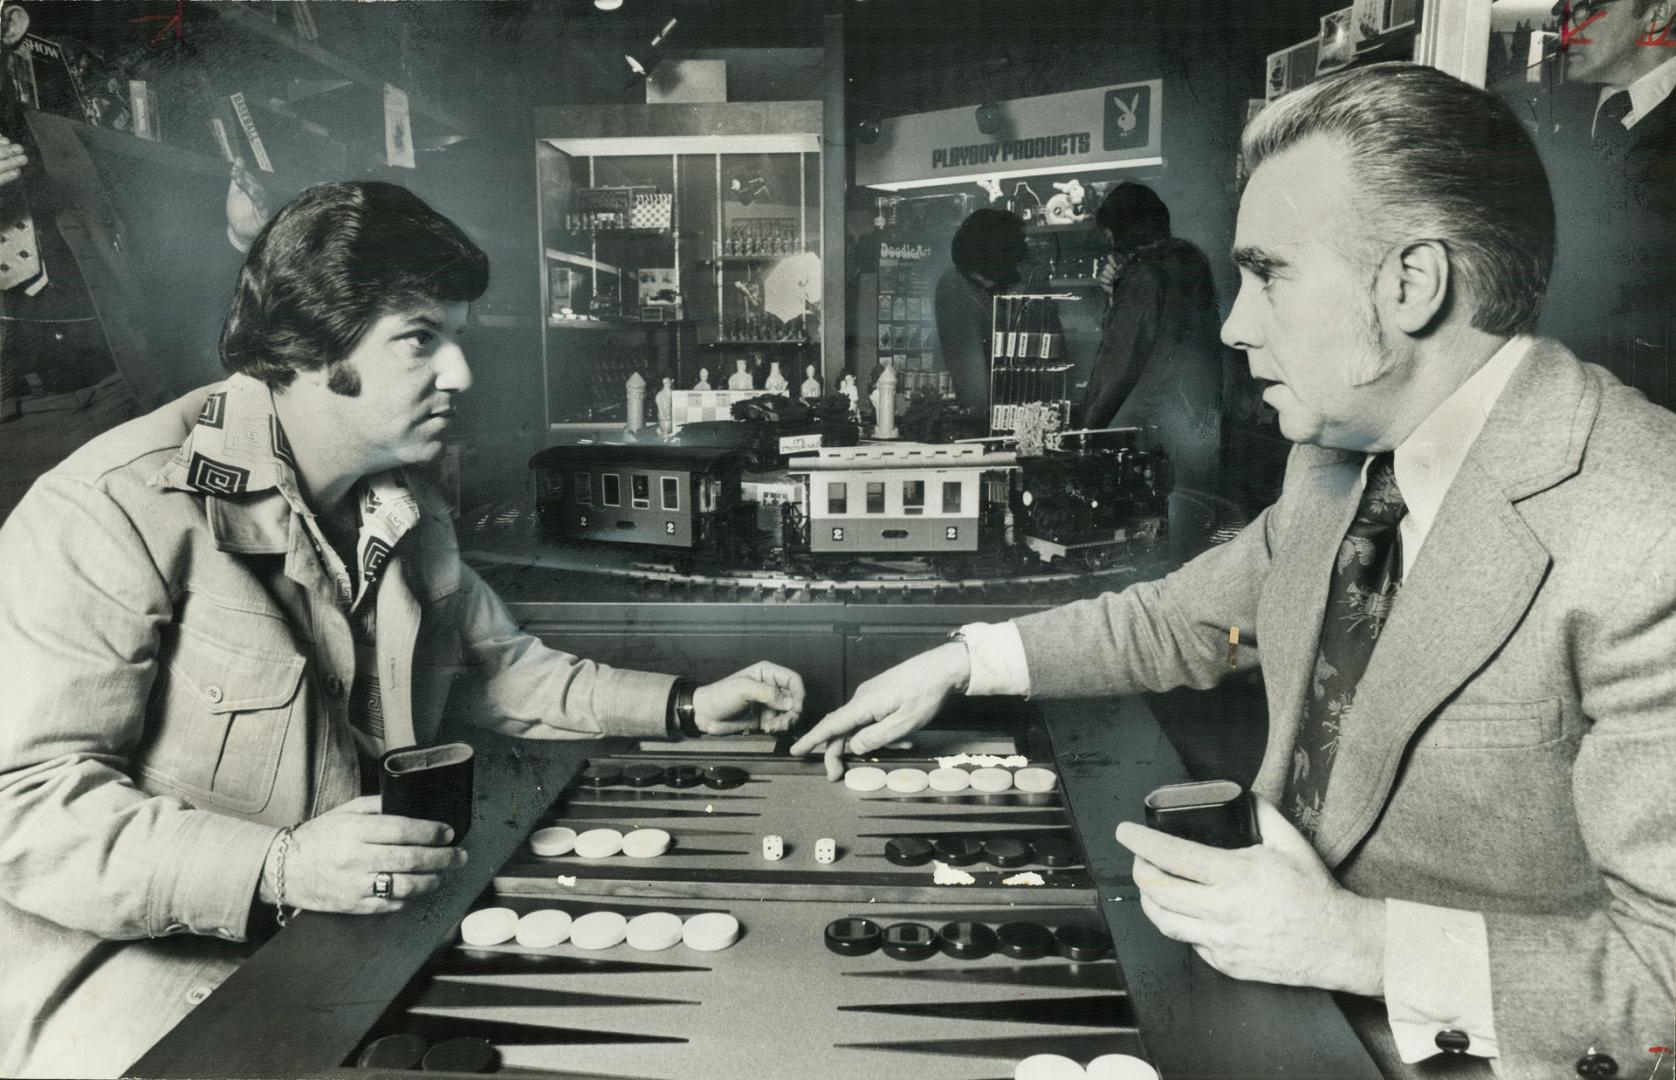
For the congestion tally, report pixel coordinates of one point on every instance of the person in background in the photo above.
(988, 250)
(216, 618)
(1463, 605)
(1612, 150)
(1160, 362)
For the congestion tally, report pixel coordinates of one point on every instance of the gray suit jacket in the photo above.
(1514, 739)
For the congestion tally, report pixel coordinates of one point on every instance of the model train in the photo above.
(955, 507)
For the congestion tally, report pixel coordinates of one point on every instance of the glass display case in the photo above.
(676, 241)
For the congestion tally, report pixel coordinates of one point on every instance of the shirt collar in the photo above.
(237, 449)
(1427, 461)
(1645, 94)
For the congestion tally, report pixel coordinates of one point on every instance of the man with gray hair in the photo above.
(1463, 604)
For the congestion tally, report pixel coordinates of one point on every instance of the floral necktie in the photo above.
(1366, 576)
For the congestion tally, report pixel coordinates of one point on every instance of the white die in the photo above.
(773, 847)
(826, 850)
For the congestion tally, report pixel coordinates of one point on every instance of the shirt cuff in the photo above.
(210, 891)
(1437, 978)
(996, 653)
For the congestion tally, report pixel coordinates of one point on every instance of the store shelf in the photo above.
(757, 258)
(610, 323)
(758, 342)
(259, 25)
(134, 148)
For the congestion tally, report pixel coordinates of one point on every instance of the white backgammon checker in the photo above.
(864, 778)
(489, 926)
(646, 843)
(712, 931)
(654, 931)
(553, 841)
(599, 930)
(544, 928)
(599, 844)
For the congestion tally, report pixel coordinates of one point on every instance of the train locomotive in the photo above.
(958, 509)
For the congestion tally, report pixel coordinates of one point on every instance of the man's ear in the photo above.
(14, 23)
(1415, 286)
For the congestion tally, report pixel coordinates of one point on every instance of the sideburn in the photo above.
(342, 379)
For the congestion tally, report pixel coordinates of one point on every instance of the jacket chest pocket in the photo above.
(1492, 726)
(220, 719)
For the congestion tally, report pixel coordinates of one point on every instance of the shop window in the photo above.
(671, 493)
(640, 491)
(951, 496)
(875, 497)
(913, 496)
(837, 497)
(584, 489)
(611, 489)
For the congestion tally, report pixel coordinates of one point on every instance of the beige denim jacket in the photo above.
(173, 693)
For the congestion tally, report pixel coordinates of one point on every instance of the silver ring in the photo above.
(382, 883)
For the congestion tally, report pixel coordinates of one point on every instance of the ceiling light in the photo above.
(608, 5)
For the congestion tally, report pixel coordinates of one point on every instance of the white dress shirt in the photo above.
(1437, 960)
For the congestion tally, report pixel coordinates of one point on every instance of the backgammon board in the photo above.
(780, 993)
(778, 1001)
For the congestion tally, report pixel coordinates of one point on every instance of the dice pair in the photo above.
(774, 848)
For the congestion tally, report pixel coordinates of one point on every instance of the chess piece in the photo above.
(666, 407)
(740, 379)
(703, 379)
(811, 388)
(636, 409)
(848, 388)
(776, 382)
(884, 402)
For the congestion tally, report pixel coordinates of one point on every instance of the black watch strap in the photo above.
(681, 704)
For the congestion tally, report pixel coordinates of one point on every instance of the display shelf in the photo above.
(135, 148)
(747, 259)
(258, 25)
(756, 342)
(613, 323)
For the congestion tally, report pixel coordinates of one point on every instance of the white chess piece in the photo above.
(635, 389)
(703, 379)
(666, 407)
(884, 403)
(740, 379)
(811, 387)
(848, 388)
(776, 382)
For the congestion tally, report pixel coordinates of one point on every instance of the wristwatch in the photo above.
(683, 716)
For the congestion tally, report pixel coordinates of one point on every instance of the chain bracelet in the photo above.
(279, 875)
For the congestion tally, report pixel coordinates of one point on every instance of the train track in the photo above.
(883, 583)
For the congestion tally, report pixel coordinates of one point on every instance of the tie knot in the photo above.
(1382, 500)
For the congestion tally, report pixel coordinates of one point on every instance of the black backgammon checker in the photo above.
(966, 940)
(853, 937)
(910, 941)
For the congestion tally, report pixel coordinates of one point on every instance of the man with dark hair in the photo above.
(1160, 363)
(1612, 148)
(1463, 604)
(988, 249)
(218, 616)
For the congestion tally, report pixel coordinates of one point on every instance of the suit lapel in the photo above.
(1295, 598)
(1470, 585)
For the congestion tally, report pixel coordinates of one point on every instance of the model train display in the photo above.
(957, 509)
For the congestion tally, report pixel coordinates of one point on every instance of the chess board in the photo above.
(779, 994)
